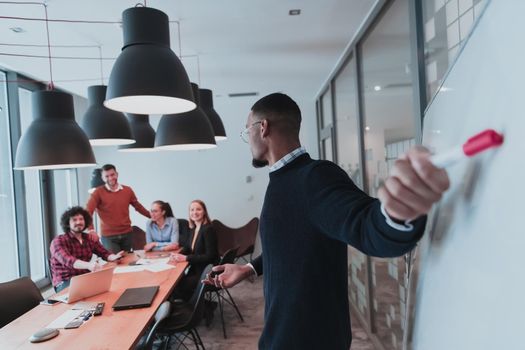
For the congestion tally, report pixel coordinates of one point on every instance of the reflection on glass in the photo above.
(389, 131)
(33, 202)
(8, 241)
(347, 125)
(348, 159)
(326, 109)
(446, 25)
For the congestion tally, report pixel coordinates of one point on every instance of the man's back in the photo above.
(305, 254)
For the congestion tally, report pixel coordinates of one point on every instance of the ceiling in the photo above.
(230, 46)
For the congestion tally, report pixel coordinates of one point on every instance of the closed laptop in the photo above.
(134, 298)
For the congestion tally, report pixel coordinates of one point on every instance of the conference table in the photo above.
(111, 330)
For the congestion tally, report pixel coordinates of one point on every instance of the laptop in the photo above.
(87, 285)
(134, 298)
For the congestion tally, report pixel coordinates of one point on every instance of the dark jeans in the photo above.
(62, 285)
(118, 242)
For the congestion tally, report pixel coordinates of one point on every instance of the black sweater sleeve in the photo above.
(257, 264)
(342, 211)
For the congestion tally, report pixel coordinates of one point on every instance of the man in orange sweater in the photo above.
(112, 201)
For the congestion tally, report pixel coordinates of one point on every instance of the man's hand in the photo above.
(176, 257)
(95, 266)
(150, 246)
(171, 246)
(414, 186)
(228, 275)
(115, 257)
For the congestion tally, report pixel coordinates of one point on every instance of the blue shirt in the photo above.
(167, 235)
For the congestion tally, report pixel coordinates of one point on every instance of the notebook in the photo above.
(87, 285)
(134, 298)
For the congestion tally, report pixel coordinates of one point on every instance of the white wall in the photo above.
(216, 176)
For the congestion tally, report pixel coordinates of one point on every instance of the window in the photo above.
(33, 198)
(8, 238)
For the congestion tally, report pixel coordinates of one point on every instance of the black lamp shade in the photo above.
(53, 140)
(185, 131)
(103, 126)
(206, 103)
(142, 132)
(147, 77)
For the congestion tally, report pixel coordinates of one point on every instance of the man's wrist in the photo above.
(249, 272)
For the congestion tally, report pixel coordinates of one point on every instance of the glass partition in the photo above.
(8, 238)
(389, 129)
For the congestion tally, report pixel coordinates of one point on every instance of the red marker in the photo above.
(476, 144)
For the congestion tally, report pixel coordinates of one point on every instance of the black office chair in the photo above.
(184, 232)
(146, 343)
(184, 318)
(217, 294)
(16, 298)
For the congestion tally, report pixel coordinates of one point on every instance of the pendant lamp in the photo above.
(215, 119)
(53, 140)
(96, 179)
(142, 132)
(147, 77)
(103, 126)
(185, 131)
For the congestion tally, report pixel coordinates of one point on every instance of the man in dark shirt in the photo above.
(72, 252)
(311, 211)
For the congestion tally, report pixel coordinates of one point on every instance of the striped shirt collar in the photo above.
(119, 188)
(287, 158)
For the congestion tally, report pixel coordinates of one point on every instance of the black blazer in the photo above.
(205, 251)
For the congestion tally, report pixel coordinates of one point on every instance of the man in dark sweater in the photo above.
(311, 211)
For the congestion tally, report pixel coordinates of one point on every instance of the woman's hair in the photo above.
(206, 220)
(166, 207)
(74, 211)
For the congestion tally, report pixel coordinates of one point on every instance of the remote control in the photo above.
(99, 309)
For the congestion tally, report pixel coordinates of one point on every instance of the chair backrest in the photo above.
(16, 298)
(184, 232)
(197, 299)
(229, 256)
(162, 313)
(242, 237)
(138, 238)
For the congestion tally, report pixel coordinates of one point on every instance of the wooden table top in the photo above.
(111, 330)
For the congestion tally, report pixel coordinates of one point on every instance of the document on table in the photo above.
(65, 318)
(126, 269)
(145, 261)
(159, 267)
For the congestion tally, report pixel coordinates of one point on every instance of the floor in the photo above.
(244, 335)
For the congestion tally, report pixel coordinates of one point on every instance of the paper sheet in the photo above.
(65, 318)
(152, 261)
(126, 269)
(159, 267)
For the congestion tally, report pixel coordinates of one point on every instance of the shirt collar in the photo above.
(119, 188)
(287, 158)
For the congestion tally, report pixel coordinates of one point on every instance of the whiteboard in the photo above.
(471, 292)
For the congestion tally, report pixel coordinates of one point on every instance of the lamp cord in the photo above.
(50, 85)
(101, 65)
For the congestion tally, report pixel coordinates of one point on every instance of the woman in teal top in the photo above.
(162, 230)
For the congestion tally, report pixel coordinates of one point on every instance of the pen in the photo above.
(476, 144)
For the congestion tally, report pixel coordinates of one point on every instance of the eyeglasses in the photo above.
(245, 132)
